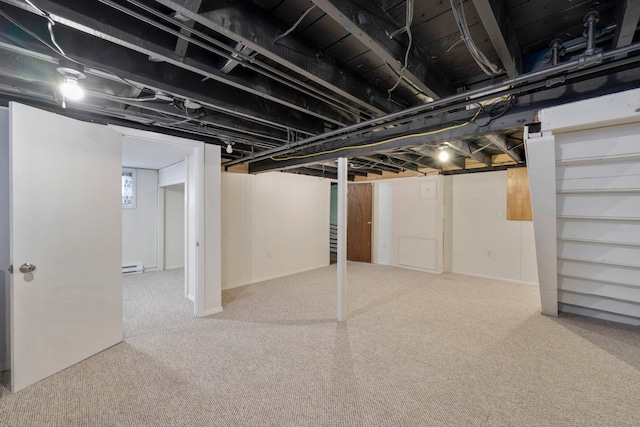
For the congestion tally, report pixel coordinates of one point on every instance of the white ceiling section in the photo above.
(149, 150)
(147, 154)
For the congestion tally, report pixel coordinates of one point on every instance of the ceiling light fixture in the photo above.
(70, 89)
(444, 154)
(229, 148)
(192, 105)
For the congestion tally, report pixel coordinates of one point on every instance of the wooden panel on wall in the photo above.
(518, 195)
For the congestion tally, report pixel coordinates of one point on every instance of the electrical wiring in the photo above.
(50, 25)
(295, 25)
(461, 21)
(408, 22)
(375, 144)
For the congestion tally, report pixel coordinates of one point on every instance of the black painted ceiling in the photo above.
(294, 84)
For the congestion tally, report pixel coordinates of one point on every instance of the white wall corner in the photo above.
(212, 311)
(210, 222)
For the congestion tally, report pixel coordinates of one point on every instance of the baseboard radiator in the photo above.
(132, 268)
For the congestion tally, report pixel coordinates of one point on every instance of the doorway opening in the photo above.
(333, 224)
(167, 192)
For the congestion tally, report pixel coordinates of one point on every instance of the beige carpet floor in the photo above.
(417, 350)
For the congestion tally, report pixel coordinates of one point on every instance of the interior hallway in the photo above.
(418, 349)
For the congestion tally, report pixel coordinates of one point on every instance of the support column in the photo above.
(342, 238)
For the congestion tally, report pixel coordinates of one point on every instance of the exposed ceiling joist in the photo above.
(514, 119)
(626, 23)
(182, 44)
(496, 20)
(73, 17)
(233, 63)
(416, 161)
(320, 173)
(386, 164)
(243, 23)
(500, 142)
(373, 32)
(463, 148)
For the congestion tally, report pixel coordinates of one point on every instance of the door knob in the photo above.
(27, 268)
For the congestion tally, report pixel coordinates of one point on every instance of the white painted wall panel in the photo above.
(610, 273)
(407, 223)
(484, 243)
(4, 240)
(602, 253)
(607, 205)
(600, 303)
(273, 225)
(597, 153)
(598, 145)
(603, 289)
(140, 225)
(597, 230)
(418, 253)
(601, 176)
(174, 226)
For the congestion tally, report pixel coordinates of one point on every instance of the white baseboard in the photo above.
(503, 279)
(191, 298)
(406, 267)
(173, 267)
(212, 311)
(5, 366)
(264, 279)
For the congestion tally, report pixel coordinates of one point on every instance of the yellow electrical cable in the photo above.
(386, 141)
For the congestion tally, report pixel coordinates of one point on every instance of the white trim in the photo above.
(155, 137)
(502, 279)
(277, 276)
(160, 248)
(212, 311)
(173, 267)
(541, 166)
(200, 305)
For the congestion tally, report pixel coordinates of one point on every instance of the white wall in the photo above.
(483, 242)
(174, 226)
(209, 227)
(140, 225)
(407, 223)
(273, 225)
(4, 239)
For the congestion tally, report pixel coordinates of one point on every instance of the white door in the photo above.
(66, 221)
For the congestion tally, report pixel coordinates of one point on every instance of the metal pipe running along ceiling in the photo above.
(451, 102)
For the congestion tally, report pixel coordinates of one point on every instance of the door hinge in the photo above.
(10, 269)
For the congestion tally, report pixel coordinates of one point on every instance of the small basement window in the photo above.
(128, 188)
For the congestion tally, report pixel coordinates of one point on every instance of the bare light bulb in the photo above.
(71, 90)
(229, 149)
(443, 156)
